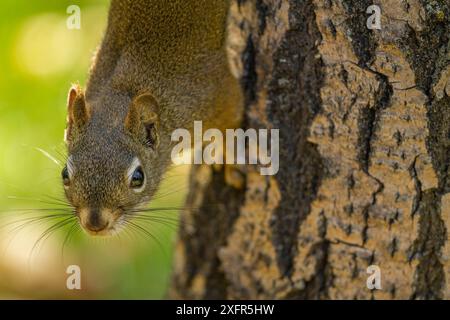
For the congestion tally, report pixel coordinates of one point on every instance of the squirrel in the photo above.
(160, 66)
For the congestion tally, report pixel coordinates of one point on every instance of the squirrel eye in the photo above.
(137, 178)
(65, 176)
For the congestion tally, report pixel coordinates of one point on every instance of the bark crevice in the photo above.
(292, 108)
(427, 51)
(429, 279)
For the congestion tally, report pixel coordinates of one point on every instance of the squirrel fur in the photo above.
(161, 65)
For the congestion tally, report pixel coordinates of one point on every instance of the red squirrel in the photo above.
(161, 65)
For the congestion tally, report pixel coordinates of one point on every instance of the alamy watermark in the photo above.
(374, 20)
(239, 147)
(74, 20)
(374, 280)
(73, 281)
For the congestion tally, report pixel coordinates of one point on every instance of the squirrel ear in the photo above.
(77, 114)
(142, 120)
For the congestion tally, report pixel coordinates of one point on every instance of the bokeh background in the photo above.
(39, 59)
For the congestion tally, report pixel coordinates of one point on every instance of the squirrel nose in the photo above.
(95, 222)
(95, 227)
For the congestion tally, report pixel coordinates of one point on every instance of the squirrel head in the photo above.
(112, 167)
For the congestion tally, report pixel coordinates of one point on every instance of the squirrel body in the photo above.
(161, 66)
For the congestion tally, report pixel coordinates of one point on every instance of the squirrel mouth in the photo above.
(103, 233)
(99, 222)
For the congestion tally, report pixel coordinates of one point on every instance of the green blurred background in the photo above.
(39, 59)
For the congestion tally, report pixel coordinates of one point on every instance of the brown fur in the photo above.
(161, 65)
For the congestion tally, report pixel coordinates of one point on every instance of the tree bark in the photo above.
(364, 119)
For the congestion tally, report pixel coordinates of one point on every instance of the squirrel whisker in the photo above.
(159, 196)
(173, 227)
(49, 231)
(145, 233)
(73, 229)
(30, 221)
(34, 210)
(157, 209)
(49, 156)
(171, 224)
(54, 201)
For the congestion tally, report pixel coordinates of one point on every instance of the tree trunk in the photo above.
(364, 119)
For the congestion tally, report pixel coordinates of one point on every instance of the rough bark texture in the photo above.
(364, 119)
